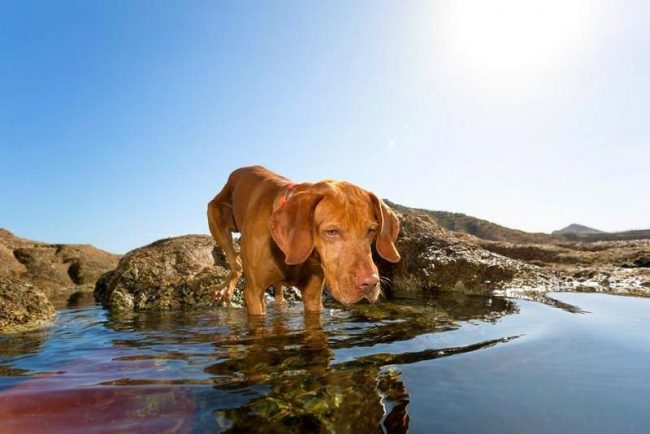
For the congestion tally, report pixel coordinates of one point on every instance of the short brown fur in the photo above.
(303, 235)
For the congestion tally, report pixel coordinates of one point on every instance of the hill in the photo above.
(577, 229)
(480, 228)
(643, 234)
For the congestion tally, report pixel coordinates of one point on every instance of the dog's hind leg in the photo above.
(222, 224)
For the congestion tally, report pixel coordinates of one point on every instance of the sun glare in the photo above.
(505, 37)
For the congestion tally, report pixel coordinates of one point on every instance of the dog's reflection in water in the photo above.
(307, 393)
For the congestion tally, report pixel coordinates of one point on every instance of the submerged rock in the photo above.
(22, 307)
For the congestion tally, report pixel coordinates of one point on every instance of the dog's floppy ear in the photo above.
(389, 229)
(292, 226)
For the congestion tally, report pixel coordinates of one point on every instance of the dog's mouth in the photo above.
(353, 296)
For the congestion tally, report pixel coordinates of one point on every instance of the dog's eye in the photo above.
(372, 230)
(332, 232)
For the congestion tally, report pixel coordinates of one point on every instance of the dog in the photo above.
(305, 235)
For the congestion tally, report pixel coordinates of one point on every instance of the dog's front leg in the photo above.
(312, 293)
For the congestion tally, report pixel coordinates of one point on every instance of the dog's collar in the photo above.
(287, 194)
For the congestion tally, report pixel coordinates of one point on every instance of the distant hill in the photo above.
(486, 230)
(607, 236)
(483, 229)
(576, 232)
(577, 229)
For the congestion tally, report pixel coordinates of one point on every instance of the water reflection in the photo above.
(22, 343)
(305, 392)
(287, 372)
(309, 392)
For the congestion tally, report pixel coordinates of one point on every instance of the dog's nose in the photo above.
(368, 281)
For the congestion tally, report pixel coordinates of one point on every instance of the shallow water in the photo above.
(442, 364)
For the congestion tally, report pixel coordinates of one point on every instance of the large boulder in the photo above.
(436, 259)
(169, 273)
(22, 307)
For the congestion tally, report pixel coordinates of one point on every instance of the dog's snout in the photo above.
(368, 281)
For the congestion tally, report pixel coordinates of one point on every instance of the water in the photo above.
(442, 364)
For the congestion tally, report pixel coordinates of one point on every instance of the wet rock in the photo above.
(22, 307)
(179, 272)
(538, 254)
(642, 262)
(173, 272)
(58, 270)
(629, 254)
(613, 263)
(434, 258)
(615, 267)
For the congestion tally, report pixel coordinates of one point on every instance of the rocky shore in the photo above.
(35, 277)
(615, 267)
(182, 272)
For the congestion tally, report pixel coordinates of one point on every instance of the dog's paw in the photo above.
(220, 296)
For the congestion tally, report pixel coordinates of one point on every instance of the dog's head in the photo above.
(339, 221)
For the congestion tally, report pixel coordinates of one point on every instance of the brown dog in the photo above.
(303, 235)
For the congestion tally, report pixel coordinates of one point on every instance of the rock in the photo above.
(615, 267)
(8, 263)
(436, 259)
(179, 272)
(35, 277)
(169, 273)
(58, 270)
(538, 254)
(22, 307)
(642, 262)
(623, 253)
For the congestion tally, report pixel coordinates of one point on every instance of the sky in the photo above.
(120, 120)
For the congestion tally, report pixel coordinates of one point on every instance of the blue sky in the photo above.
(119, 120)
